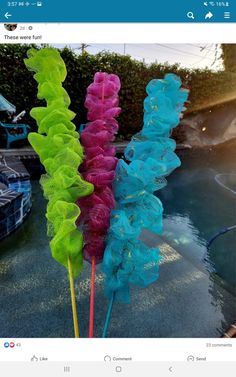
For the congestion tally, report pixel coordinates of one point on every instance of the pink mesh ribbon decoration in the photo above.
(99, 166)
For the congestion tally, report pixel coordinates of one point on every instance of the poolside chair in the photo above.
(11, 132)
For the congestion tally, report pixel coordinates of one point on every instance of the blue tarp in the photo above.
(5, 105)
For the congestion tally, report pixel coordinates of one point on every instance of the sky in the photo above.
(188, 55)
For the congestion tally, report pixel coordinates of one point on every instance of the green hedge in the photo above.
(208, 88)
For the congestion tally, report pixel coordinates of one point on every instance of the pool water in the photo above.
(197, 207)
(186, 301)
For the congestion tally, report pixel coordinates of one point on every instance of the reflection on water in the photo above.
(196, 208)
(227, 181)
(183, 236)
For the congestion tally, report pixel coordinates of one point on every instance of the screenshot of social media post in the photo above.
(117, 190)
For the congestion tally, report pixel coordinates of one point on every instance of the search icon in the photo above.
(190, 15)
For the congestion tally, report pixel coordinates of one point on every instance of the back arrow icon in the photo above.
(7, 15)
(170, 369)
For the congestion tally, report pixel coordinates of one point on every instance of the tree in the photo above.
(229, 57)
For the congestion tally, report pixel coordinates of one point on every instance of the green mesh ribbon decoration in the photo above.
(57, 144)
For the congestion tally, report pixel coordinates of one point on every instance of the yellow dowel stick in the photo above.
(73, 301)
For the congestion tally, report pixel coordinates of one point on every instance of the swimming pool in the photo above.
(197, 205)
(186, 301)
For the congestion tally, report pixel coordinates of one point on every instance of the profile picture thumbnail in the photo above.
(10, 27)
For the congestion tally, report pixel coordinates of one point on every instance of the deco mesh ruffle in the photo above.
(127, 260)
(60, 152)
(100, 163)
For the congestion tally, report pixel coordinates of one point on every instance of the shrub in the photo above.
(208, 88)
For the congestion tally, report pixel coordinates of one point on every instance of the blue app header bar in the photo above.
(184, 11)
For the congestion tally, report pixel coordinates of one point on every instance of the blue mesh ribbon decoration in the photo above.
(151, 153)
